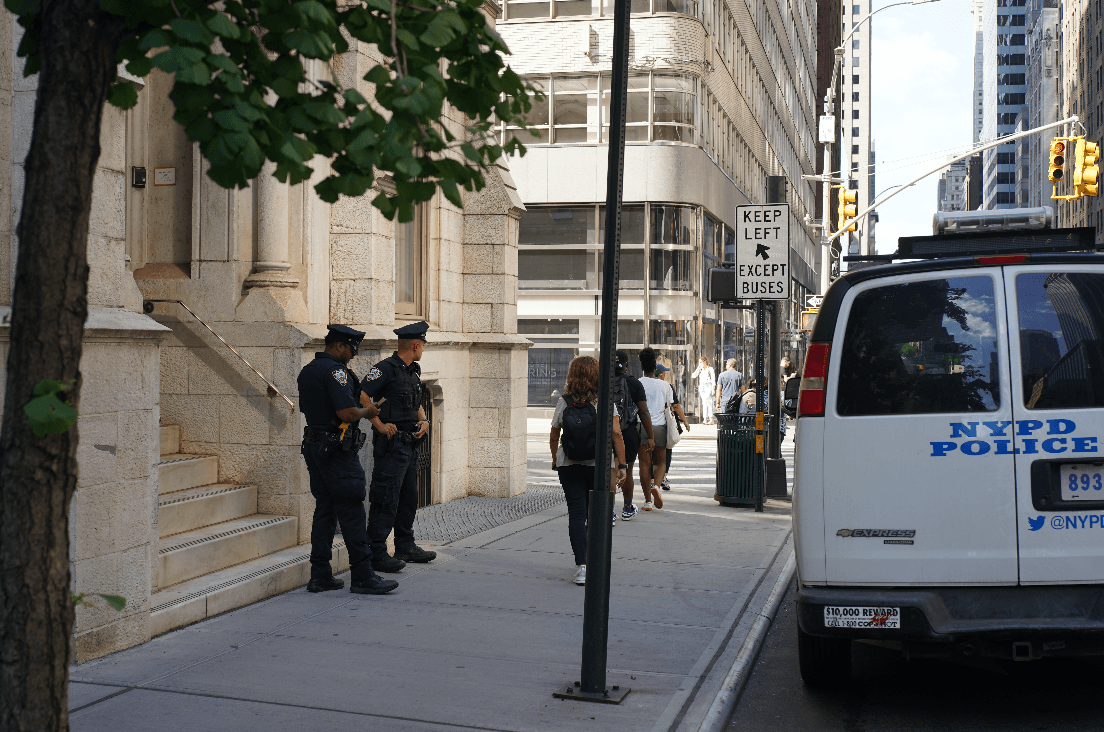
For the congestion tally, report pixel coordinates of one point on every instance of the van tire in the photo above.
(824, 662)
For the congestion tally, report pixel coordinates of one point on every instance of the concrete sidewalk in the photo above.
(479, 638)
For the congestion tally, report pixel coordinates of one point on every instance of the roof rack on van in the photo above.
(971, 244)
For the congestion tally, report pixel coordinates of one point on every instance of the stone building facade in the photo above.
(1080, 60)
(192, 497)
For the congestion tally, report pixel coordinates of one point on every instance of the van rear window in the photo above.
(1061, 318)
(921, 348)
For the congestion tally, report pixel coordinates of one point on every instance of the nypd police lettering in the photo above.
(1053, 436)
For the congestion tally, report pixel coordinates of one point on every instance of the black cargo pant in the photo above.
(337, 484)
(393, 497)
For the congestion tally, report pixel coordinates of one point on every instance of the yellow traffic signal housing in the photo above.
(1057, 159)
(848, 207)
(1086, 171)
(808, 319)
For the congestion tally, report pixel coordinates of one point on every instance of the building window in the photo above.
(1011, 99)
(577, 109)
(1012, 39)
(854, 114)
(855, 61)
(854, 149)
(1004, 179)
(410, 238)
(855, 10)
(525, 9)
(1012, 79)
(855, 79)
(1010, 20)
(854, 96)
(560, 248)
(854, 132)
(1011, 59)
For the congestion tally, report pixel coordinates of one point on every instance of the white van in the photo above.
(949, 495)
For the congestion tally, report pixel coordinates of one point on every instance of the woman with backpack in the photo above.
(573, 441)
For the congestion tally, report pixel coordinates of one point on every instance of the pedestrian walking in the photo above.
(653, 465)
(707, 385)
(729, 384)
(636, 427)
(681, 424)
(328, 395)
(399, 429)
(573, 441)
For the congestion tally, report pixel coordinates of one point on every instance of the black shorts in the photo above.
(631, 435)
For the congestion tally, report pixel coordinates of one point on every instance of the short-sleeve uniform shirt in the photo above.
(325, 386)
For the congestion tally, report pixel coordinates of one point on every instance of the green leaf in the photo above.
(116, 602)
(192, 31)
(173, 59)
(46, 413)
(194, 74)
(448, 188)
(367, 138)
(353, 96)
(156, 38)
(316, 11)
(309, 44)
(407, 39)
(139, 67)
(122, 95)
(220, 25)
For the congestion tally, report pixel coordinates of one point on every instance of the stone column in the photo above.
(271, 291)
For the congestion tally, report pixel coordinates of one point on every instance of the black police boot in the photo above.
(388, 564)
(416, 554)
(324, 584)
(374, 585)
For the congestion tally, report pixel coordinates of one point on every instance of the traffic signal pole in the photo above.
(974, 151)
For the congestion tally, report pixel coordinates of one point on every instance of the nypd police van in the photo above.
(949, 493)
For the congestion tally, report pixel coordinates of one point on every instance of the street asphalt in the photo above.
(481, 637)
(889, 694)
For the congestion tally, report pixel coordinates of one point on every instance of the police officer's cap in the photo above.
(344, 334)
(413, 331)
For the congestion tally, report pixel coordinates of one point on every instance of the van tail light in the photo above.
(813, 381)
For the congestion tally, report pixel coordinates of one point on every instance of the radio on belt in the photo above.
(763, 252)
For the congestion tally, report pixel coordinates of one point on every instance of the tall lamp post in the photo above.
(828, 137)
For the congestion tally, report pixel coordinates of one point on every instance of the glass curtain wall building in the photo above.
(1004, 26)
(719, 97)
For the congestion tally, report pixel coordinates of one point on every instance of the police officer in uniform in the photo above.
(328, 394)
(399, 428)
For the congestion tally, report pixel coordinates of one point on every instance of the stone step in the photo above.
(170, 439)
(179, 472)
(198, 552)
(195, 508)
(231, 588)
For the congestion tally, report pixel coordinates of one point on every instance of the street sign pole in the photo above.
(592, 684)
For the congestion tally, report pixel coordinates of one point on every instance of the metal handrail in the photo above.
(272, 390)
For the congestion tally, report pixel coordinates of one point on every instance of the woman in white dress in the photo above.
(707, 384)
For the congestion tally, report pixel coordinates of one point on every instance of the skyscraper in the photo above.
(1042, 98)
(856, 139)
(1004, 92)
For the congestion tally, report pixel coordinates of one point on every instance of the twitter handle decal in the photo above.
(1075, 521)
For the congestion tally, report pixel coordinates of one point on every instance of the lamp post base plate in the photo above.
(614, 694)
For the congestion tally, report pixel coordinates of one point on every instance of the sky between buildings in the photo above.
(922, 60)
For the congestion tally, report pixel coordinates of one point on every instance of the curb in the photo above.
(733, 685)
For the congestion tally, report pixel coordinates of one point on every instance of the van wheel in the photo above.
(824, 662)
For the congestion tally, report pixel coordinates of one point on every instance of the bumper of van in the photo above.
(952, 614)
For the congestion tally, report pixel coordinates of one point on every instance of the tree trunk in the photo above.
(38, 475)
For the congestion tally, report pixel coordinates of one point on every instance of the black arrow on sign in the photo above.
(761, 251)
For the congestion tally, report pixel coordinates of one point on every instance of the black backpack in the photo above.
(630, 412)
(580, 430)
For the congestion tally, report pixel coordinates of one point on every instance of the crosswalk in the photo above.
(694, 462)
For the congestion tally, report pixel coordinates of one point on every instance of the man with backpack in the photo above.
(636, 425)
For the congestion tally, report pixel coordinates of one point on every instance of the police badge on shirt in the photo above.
(340, 376)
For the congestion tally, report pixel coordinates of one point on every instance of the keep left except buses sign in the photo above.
(763, 252)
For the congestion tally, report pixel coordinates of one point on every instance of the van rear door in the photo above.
(918, 466)
(1057, 357)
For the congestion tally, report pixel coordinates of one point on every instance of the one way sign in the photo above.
(763, 252)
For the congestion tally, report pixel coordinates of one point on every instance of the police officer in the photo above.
(401, 425)
(328, 394)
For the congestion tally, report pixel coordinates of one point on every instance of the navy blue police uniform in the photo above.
(393, 496)
(337, 479)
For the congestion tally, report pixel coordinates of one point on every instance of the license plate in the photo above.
(862, 617)
(1083, 481)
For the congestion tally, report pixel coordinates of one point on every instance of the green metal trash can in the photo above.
(739, 469)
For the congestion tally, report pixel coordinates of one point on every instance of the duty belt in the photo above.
(320, 436)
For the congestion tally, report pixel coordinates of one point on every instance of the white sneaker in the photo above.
(580, 575)
(648, 505)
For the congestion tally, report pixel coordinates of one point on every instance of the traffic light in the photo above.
(1057, 159)
(848, 207)
(1086, 170)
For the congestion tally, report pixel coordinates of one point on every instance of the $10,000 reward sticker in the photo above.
(862, 617)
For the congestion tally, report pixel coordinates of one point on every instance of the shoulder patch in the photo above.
(374, 374)
(340, 376)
